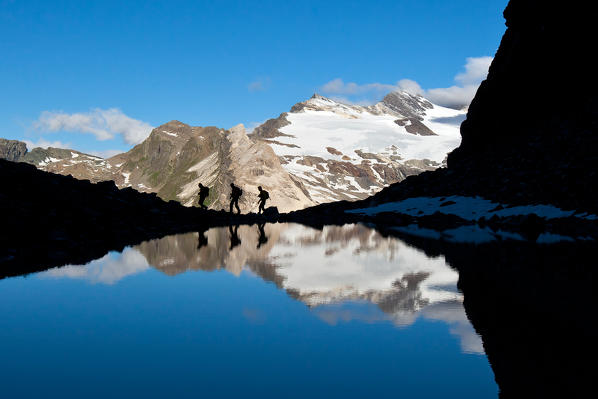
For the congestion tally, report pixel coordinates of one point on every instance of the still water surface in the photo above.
(274, 311)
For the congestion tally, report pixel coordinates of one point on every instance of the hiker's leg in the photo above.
(231, 207)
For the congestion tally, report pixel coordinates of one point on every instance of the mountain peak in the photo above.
(317, 96)
(406, 104)
(174, 123)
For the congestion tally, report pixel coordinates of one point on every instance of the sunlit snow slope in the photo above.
(342, 151)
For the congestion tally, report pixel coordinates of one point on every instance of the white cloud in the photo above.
(45, 144)
(410, 86)
(457, 96)
(476, 69)
(460, 95)
(452, 97)
(104, 124)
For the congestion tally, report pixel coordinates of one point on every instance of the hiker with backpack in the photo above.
(204, 192)
(263, 196)
(235, 194)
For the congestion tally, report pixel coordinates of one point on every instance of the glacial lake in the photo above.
(274, 311)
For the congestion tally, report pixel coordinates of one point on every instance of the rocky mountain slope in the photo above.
(321, 151)
(174, 159)
(342, 151)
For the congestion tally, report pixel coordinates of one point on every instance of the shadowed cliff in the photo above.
(530, 133)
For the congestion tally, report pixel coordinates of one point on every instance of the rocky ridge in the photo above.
(174, 159)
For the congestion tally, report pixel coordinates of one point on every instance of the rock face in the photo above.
(349, 152)
(12, 150)
(552, 155)
(540, 147)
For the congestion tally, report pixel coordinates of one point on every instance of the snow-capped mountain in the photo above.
(320, 151)
(342, 151)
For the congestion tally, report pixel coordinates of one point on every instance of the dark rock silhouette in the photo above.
(533, 308)
(50, 220)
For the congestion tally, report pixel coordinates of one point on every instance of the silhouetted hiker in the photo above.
(263, 196)
(203, 194)
(234, 238)
(262, 239)
(235, 194)
(202, 241)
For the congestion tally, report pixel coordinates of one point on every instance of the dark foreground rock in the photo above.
(50, 220)
(533, 306)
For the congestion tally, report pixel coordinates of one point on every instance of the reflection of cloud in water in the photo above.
(108, 270)
(452, 313)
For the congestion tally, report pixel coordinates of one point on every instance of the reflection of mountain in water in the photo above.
(335, 270)
(343, 273)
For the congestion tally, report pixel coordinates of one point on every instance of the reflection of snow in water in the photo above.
(325, 269)
(344, 273)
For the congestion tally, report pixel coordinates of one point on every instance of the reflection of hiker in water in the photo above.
(262, 239)
(263, 196)
(203, 194)
(202, 241)
(235, 194)
(234, 238)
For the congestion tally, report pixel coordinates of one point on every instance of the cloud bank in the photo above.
(104, 124)
(43, 143)
(457, 96)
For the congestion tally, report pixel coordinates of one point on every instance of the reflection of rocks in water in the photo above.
(533, 306)
(209, 250)
(405, 295)
(369, 239)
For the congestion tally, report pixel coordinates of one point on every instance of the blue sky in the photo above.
(220, 62)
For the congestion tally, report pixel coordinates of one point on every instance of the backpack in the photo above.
(266, 195)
